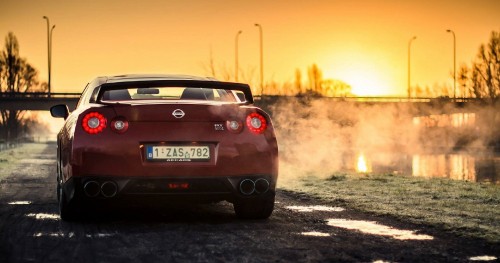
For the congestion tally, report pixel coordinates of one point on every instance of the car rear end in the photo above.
(175, 150)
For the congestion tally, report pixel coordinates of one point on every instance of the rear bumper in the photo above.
(165, 190)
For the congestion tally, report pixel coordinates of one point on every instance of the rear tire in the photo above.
(254, 208)
(66, 210)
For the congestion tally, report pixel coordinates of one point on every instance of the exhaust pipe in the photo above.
(261, 185)
(92, 188)
(247, 187)
(109, 189)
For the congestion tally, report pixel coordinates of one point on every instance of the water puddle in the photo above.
(71, 235)
(99, 235)
(54, 234)
(373, 228)
(483, 258)
(315, 234)
(44, 216)
(315, 208)
(20, 203)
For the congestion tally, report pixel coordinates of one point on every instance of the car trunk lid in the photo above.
(177, 112)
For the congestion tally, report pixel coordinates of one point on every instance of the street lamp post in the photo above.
(49, 49)
(261, 60)
(409, 45)
(454, 63)
(236, 55)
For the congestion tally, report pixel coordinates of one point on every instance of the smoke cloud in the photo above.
(323, 136)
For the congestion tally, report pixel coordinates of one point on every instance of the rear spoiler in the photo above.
(245, 88)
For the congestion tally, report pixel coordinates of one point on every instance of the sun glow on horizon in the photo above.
(367, 74)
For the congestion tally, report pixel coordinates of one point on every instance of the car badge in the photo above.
(178, 113)
(219, 127)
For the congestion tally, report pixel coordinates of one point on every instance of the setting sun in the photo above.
(365, 82)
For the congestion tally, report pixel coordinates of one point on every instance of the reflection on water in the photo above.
(472, 167)
(454, 166)
(362, 164)
(373, 228)
(457, 166)
(453, 149)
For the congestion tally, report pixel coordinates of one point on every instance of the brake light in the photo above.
(119, 125)
(94, 122)
(256, 123)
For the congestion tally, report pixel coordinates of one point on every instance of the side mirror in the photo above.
(59, 111)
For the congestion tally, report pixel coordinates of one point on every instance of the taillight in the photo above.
(94, 122)
(256, 123)
(119, 125)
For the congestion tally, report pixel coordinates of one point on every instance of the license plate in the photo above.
(178, 153)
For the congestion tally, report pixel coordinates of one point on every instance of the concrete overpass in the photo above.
(36, 100)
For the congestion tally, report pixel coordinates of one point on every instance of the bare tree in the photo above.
(485, 72)
(16, 75)
(315, 79)
(298, 80)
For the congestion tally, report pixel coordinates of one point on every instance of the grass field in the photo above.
(464, 208)
(9, 157)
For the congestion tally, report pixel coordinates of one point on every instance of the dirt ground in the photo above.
(301, 229)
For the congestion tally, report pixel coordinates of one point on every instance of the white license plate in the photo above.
(178, 153)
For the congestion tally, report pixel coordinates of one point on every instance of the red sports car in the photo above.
(166, 139)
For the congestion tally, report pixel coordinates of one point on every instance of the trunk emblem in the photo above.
(178, 113)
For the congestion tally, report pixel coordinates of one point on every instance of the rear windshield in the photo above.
(168, 93)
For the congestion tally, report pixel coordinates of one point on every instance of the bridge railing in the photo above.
(39, 95)
(389, 99)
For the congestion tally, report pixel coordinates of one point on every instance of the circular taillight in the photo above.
(256, 123)
(119, 125)
(94, 123)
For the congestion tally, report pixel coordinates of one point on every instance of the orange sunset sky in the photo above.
(363, 43)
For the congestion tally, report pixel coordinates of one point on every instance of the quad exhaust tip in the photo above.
(92, 188)
(259, 186)
(247, 187)
(108, 189)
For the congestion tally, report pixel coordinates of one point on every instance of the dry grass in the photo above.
(465, 208)
(9, 157)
